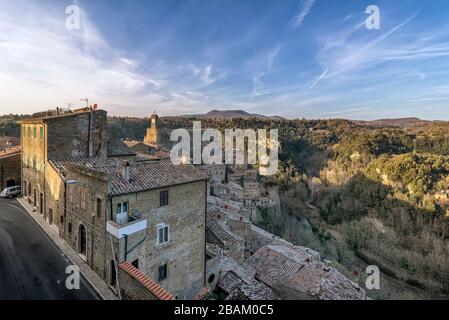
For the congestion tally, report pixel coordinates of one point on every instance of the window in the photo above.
(99, 206)
(69, 228)
(162, 233)
(162, 273)
(135, 263)
(41, 133)
(34, 163)
(34, 132)
(41, 167)
(163, 198)
(23, 132)
(29, 132)
(122, 207)
(83, 199)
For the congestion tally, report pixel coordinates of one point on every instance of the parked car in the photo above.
(10, 192)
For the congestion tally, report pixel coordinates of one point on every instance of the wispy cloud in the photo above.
(319, 78)
(349, 52)
(272, 54)
(306, 6)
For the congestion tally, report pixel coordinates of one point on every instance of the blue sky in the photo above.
(301, 58)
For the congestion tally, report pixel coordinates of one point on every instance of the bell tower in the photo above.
(152, 134)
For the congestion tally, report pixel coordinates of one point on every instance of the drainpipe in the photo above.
(65, 208)
(89, 136)
(126, 246)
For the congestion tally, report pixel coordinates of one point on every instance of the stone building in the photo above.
(112, 206)
(10, 171)
(150, 213)
(63, 135)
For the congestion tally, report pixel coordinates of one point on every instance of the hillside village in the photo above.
(153, 230)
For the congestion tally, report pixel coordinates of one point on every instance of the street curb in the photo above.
(93, 279)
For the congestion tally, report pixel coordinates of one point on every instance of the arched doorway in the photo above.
(82, 240)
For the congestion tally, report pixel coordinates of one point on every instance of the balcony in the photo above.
(126, 229)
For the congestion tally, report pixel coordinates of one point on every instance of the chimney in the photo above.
(125, 171)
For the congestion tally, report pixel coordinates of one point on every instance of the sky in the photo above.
(292, 58)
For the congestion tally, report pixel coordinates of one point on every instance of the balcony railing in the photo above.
(132, 226)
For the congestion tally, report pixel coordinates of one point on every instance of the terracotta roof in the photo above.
(295, 267)
(147, 282)
(272, 267)
(117, 148)
(61, 163)
(257, 291)
(149, 175)
(236, 294)
(220, 230)
(145, 175)
(325, 283)
(229, 281)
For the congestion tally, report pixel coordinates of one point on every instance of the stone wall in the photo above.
(134, 285)
(131, 289)
(82, 212)
(68, 135)
(54, 196)
(10, 172)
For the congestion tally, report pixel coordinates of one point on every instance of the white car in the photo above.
(10, 192)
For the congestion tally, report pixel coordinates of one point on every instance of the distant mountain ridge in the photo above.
(231, 114)
(398, 122)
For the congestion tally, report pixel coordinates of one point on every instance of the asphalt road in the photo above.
(31, 266)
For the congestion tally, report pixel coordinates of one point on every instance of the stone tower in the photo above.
(152, 134)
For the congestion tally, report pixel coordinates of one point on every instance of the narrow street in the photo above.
(31, 265)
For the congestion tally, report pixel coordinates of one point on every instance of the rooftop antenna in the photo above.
(86, 100)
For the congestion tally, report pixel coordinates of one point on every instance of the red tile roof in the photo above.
(147, 282)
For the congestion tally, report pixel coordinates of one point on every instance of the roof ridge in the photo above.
(156, 289)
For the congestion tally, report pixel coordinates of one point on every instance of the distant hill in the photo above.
(400, 122)
(230, 114)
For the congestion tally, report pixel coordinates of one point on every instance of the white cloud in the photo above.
(306, 6)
